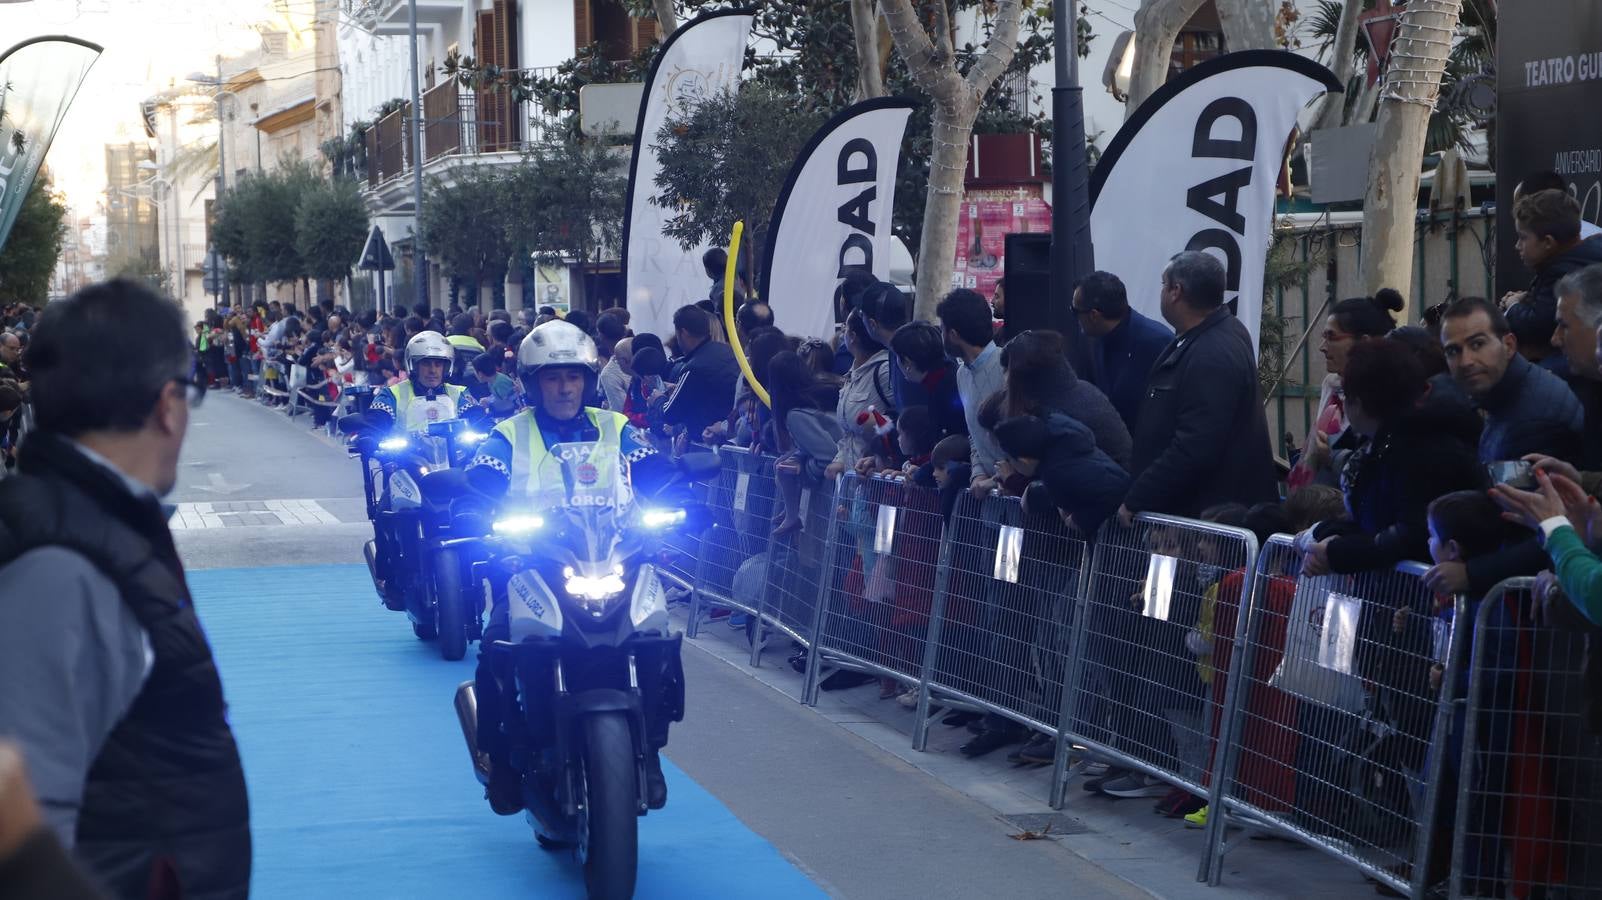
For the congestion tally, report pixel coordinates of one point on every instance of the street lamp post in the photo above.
(419, 261)
(222, 156)
(1072, 254)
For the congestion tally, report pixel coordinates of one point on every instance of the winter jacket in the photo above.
(1086, 403)
(1530, 411)
(704, 388)
(1083, 479)
(944, 401)
(1121, 361)
(1536, 314)
(870, 384)
(1390, 483)
(1202, 436)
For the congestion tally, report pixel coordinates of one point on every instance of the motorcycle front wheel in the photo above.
(449, 610)
(609, 834)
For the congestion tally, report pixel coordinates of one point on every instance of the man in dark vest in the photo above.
(106, 679)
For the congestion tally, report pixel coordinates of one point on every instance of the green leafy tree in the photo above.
(330, 229)
(726, 161)
(462, 225)
(269, 223)
(565, 202)
(31, 252)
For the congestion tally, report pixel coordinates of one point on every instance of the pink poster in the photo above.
(988, 215)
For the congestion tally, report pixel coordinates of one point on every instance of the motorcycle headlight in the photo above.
(517, 525)
(593, 591)
(657, 519)
(394, 443)
(470, 437)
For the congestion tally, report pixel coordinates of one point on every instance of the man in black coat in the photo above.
(703, 378)
(920, 352)
(1202, 437)
(106, 678)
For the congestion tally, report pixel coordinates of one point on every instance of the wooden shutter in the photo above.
(489, 127)
(506, 42)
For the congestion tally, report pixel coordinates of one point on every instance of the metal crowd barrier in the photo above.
(1142, 672)
(878, 581)
(796, 566)
(1342, 712)
(731, 558)
(1003, 614)
(1335, 719)
(1528, 786)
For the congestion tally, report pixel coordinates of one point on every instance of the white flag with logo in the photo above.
(699, 60)
(1196, 168)
(834, 215)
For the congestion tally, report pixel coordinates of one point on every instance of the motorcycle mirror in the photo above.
(698, 465)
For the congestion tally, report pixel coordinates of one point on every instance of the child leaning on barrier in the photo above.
(1464, 526)
(1059, 452)
(950, 470)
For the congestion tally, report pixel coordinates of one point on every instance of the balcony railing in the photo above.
(459, 121)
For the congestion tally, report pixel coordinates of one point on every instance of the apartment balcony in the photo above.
(390, 17)
(461, 126)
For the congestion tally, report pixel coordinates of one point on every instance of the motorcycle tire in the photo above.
(450, 613)
(609, 838)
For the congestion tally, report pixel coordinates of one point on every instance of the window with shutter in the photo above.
(485, 107)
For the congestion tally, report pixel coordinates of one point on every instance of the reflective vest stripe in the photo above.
(529, 453)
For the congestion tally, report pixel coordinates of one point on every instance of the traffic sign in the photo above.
(375, 254)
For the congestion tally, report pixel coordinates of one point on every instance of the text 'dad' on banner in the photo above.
(834, 214)
(1195, 169)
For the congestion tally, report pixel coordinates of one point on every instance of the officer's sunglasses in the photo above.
(194, 391)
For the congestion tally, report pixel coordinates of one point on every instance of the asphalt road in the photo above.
(257, 491)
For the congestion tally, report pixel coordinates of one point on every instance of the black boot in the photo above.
(655, 781)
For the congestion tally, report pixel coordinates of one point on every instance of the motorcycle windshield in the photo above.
(589, 501)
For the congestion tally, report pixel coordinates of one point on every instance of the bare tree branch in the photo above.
(667, 18)
(1342, 62)
(913, 43)
(1247, 24)
(1157, 25)
(999, 49)
(865, 31)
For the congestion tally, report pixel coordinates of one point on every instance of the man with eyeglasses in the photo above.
(106, 678)
(1124, 345)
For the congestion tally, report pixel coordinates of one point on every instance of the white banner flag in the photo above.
(699, 60)
(834, 215)
(1195, 169)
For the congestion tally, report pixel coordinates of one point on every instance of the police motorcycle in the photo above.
(580, 694)
(420, 510)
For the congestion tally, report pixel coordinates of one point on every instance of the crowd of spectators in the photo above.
(1413, 425)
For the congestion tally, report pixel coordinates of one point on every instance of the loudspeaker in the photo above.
(1027, 264)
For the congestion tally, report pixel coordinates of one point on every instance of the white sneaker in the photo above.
(1134, 785)
(909, 699)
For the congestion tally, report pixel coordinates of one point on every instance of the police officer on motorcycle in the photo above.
(558, 365)
(424, 396)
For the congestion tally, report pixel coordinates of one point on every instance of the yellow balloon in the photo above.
(728, 317)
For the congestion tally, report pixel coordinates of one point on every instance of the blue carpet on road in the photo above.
(360, 785)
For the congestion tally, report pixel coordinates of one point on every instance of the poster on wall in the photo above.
(1549, 65)
(987, 216)
(551, 288)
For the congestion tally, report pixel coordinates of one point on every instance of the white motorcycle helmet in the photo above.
(429, 345)
(556, 343)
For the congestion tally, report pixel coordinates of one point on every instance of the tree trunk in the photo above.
(1247, 24)
(667, 19)
(1342, 62)
(942, 205)
(456, 291)
(1412, 84)
(498, 291)
(1157, 26)
(931, 62)
(865, 30)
